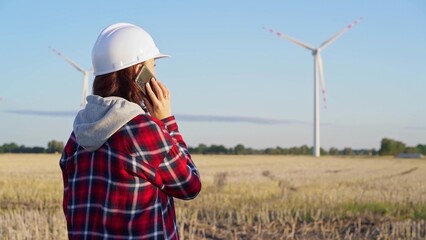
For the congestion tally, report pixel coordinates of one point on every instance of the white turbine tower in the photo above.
(318, 74)
(86, 74)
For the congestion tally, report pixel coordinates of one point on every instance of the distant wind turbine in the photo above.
(318, 74)
(86, 74)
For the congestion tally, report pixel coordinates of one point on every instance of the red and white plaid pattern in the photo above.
(125, 189)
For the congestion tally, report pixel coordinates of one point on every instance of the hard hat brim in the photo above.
(161, 56)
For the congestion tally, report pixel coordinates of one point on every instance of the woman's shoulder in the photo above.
(143, 131)
(145, 120)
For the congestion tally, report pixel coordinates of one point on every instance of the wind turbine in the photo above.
(318, 74)
(86, 74)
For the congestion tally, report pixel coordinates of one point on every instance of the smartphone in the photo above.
(144, 76)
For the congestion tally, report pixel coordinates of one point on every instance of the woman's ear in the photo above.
(137, 68)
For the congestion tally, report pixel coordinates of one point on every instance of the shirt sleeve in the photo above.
(63, 165)
(179, 150)
(163, 149)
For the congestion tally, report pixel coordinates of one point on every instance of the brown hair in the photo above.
(119, 84)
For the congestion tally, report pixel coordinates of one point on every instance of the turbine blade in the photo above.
(85, 90)
(318, 62)
(288, 38)
(68, 60)
(340, 33)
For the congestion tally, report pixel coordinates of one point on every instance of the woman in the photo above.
(122, 166)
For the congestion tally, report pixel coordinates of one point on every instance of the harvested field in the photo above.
(247, 197)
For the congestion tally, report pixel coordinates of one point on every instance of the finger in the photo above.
(157, 89)
(151, 93)
(163, 88)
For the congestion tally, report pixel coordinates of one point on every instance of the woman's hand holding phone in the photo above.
(159, 106)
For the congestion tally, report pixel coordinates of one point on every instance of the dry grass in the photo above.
(248, 197)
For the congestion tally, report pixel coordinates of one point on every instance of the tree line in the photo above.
(52, 147)
(387, 147)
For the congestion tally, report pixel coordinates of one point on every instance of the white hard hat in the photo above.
(122, 45)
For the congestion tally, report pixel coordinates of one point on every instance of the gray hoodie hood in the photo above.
(101, 118)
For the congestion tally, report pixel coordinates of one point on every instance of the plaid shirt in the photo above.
(125, 189)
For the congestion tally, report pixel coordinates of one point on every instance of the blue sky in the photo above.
(226, 69)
